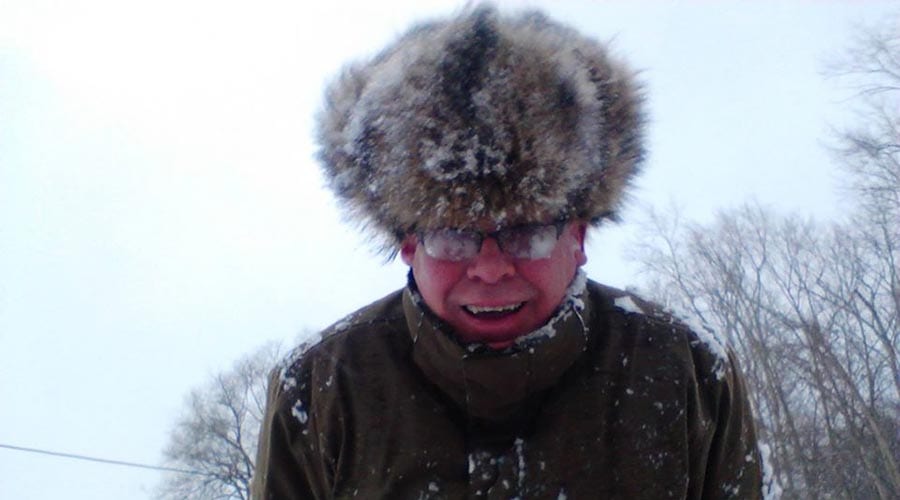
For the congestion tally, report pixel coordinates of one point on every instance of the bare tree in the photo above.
(217, 436)
(796, 300)
(813, 309)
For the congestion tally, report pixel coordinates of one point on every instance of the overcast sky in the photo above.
(161, 212)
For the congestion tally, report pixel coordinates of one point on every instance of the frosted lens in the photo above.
(448, 244)
(535, 242)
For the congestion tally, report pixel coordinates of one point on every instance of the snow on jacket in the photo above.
(613, 399)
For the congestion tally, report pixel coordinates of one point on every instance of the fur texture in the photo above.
(482, 120)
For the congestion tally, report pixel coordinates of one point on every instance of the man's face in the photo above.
(493, 298)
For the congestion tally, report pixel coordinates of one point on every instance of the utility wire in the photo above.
(103, 460)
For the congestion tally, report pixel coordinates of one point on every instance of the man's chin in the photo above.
(500, 345)
(495, 340)
(496, 332)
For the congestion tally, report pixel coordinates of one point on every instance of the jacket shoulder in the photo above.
(360, 326)
(644, 318)
(297, 452)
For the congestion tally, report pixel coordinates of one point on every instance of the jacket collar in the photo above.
(489, 384)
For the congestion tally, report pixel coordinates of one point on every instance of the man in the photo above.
(482, 149)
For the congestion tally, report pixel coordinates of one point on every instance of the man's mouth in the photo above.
(493, 312)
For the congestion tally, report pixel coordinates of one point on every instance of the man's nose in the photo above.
(491, 264)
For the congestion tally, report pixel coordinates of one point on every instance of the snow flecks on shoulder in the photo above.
(299, 412)
(573, 303)
(306, 345)
(707, 338)
(288, 381)
(626, 303)
(343, 324)
(771, 489)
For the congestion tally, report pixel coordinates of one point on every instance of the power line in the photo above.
(102, 460)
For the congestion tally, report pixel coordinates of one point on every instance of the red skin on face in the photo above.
(494, 279)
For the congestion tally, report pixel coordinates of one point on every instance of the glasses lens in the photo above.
(450, 244)
(529, 242)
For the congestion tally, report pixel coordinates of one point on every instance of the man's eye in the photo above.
(517, 245)
(451, 245)
(531, 243)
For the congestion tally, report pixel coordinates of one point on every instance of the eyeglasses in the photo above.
(530, 241)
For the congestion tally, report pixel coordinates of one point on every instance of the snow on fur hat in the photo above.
(479, 119)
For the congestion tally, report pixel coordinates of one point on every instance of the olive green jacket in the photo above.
(613, 399)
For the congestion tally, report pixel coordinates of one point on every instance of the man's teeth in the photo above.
(494, 309)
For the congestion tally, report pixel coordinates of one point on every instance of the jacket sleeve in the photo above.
(733, 466)
(289, 464)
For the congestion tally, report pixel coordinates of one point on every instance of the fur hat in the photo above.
(482, 119)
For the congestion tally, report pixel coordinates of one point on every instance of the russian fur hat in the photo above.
(481, 120)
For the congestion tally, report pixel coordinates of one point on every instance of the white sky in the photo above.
(161, 212)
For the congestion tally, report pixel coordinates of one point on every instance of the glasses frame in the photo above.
(498, 236)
